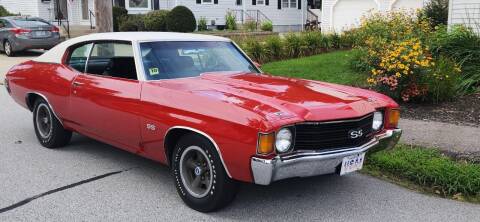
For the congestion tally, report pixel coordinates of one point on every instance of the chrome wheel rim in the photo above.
(196, 171)
(8, 49)
(44, 121)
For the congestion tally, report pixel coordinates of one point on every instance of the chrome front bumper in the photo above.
(311, 163)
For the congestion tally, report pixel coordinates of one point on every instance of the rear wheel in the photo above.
(7, 47)
(50, 132)
(200, 177)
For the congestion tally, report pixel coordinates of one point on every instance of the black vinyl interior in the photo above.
(120, 67)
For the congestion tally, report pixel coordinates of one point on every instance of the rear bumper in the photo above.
(20, 44)
(311, 163)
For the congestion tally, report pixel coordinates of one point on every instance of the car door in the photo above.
(105, 94)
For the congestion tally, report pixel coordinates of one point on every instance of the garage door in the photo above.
(347, 13)
(407, 4)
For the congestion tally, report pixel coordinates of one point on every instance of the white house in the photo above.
(464, 12)
(286, 15)
(77, 12)
(338, 15)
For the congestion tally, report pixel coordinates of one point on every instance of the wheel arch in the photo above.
(30, 99)
(174, 133)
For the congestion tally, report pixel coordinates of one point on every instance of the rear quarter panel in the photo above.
(48, 79)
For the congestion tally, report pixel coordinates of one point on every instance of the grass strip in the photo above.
(427, 170)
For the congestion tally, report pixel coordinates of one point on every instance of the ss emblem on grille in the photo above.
(355, 133)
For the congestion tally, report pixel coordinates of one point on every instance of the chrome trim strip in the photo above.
(48, 102)
(203, 134)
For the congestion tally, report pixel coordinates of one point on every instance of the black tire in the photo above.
(8, 51)
(222, 190)
(50, 132)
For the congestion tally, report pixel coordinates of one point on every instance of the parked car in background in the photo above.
(198, 104)
(19, 33)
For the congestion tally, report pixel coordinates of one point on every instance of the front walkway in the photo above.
(445, 136)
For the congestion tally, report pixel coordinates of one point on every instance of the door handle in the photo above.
(77, 84)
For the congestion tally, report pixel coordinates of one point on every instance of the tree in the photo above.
(103, 15)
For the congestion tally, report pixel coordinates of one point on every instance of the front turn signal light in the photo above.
(393, 117)
(265, 143)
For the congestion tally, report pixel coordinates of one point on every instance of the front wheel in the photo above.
(50, 132)
(200, 177)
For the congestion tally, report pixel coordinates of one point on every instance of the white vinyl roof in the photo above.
(55, 54)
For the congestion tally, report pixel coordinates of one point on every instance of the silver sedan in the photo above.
(19, 33)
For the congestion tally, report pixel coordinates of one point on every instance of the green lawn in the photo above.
(329, 67)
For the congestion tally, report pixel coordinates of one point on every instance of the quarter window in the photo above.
(79, 56)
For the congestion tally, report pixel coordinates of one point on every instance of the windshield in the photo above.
(171, 60)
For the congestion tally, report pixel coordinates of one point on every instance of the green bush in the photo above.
(273, 48)
(118, 14)
(202, 24)
(156, 20)
(437, 12)
(4, 12)
(230, 21)
(294, 45)
(463, 46)
(131, 23)
(181, 19)
(255, 50)
(267, 26)
(443, 80)
(250, 25)
(312, 41)
(429, 168)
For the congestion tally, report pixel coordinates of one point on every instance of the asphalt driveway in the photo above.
(91, 181)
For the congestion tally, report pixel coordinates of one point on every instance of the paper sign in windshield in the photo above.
(153, 71)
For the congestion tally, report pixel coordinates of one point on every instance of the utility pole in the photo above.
(103, 15)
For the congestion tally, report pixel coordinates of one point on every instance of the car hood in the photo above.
(279, 98)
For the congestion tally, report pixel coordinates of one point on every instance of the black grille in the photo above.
(332, 135)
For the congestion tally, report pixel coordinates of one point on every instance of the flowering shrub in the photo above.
(394, 49)
(400, 67)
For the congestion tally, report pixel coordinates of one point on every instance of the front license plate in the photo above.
(352, 163)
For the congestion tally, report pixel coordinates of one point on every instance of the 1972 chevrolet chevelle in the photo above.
(198, 104)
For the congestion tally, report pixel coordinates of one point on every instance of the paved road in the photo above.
(145, 190)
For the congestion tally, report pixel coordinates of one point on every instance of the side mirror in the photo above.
(258, 65)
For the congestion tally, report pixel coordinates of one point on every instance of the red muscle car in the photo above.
(198, 104)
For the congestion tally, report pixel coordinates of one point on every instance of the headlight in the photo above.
(283, 141)
(377, 120)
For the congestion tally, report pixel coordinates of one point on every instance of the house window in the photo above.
(207, 1)
(289, 3)
(260, 2)
(139, 4)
